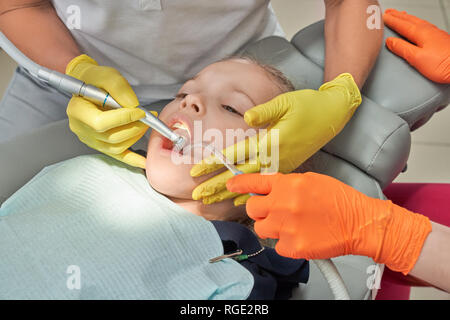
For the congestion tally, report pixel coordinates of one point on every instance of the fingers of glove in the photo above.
(403, 49)
(206, 166)
(344, 83)
(110, 80)
(404, 27)
(252, 183)
(268, 112)
(211, 186)
(407, 17)
(288, 249)
(268, 227)
(219, 196)
(241, 200)
(258, 207)
(239, 152)
(88, 113)
(218, 183)
(105, 147)
(113, 136)
(131, 158)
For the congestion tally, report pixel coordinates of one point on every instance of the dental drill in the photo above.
(76, 87)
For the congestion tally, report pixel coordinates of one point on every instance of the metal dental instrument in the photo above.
(74, 86)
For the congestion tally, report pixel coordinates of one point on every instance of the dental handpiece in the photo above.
(102, 98)
(74, 86)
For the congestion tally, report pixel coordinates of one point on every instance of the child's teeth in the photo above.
(179, 126)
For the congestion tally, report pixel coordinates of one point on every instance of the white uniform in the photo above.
(155, 44)
(158, 44)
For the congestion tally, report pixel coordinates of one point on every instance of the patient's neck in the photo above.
(224, 210)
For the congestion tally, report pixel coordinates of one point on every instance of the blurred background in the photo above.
(429, 160)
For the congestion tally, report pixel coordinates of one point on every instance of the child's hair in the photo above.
(283, 83)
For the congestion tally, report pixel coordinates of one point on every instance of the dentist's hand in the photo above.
(109, 131)
(431, 54)
(305, 121)
(318, 217)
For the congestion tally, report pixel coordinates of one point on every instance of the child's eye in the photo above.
(181, 95)
(231, 109)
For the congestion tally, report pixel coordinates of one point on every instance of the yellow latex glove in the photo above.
(306, 120)
(109, 131)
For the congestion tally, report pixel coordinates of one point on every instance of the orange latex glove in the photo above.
(318, 217)
(431, 54)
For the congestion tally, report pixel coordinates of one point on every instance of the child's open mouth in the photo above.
(181, 129)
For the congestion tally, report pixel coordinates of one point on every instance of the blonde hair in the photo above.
(282, 82)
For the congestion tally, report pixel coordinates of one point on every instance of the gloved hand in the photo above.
(109, 131)
(305, 119)
(431, 54)
(318, 217)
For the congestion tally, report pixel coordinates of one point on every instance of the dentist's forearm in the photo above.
(35, 29)
(350, 46)
(433, 264)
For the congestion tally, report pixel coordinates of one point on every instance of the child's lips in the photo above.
(181, 130)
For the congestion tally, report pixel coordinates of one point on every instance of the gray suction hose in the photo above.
(19, 57)
(74, 86)
(334, 279)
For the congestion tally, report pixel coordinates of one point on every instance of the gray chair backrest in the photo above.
(393, 84)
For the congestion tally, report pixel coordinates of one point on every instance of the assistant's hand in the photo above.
(109, 131)
(305, 119)
(431, 54)
(318, 217)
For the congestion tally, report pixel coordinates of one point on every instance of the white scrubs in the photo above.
(158, 44)
(155, 44)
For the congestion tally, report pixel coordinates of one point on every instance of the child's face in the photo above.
(218, 97)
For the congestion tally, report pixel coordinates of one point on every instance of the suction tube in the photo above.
(74, 86)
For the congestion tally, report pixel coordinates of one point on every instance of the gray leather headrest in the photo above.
(393, 84)
(375, 140)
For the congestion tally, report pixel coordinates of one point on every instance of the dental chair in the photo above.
(368, 154)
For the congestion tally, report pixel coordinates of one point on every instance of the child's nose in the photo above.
(193, 103)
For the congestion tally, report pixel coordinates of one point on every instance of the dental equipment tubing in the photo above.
(74, 86)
